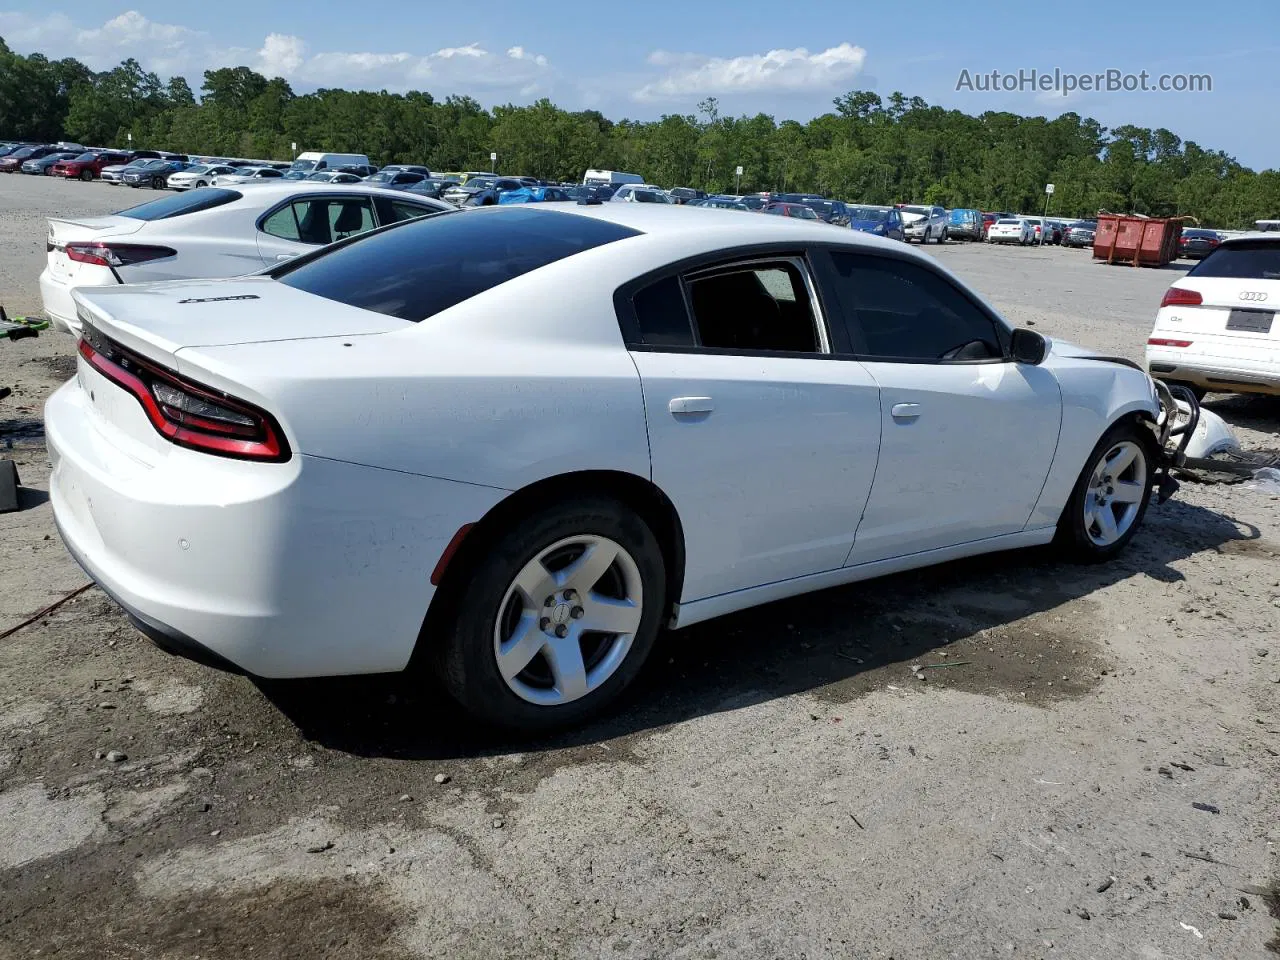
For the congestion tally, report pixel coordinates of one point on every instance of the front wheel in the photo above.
(86, 175)
(157, 183)
(554, 618)
(1111, 496)
(202, 183)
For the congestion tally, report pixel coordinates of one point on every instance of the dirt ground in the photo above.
(1090, 770)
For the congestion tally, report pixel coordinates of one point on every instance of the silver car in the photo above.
(924, 223)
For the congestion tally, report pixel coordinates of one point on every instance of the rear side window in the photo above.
(416, 270)
(182, 203)
(762, 306)
(1251, 260)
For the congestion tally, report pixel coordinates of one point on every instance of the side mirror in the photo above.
(1027, 346)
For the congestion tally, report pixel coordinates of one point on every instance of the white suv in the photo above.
(1216, 329)
(924, 223)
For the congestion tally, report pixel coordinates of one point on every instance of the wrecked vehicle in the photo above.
(511, 446)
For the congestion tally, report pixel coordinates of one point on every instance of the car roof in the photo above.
(269, 191)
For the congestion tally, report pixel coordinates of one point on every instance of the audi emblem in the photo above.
(1256, 295)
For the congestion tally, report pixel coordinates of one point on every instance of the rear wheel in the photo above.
(555, 618)
(1110, 497)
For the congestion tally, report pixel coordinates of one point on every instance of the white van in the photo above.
(612, 177)
(315, 162)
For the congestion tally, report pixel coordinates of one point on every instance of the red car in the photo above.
(88, 165)
(798, 210)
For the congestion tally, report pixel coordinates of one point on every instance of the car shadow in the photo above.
(1250, 411)
(834, 643)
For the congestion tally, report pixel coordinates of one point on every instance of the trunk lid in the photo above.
(64, 231)
(1243, 309)
(157, 320)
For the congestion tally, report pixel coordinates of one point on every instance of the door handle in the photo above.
(285, 256)
(691, 406)
(905, 411)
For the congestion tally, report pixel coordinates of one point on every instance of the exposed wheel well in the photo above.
(636, 493)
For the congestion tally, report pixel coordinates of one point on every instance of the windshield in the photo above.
(647, 196)
(384, 177)
(198, 168)
(876, 214)
(918, 211)
(415, 270)
(478, 183)
(87, 157)
(303, 165)
(322, 176)
(804, 213)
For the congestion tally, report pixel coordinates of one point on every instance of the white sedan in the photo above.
(518, 441)
(201, 175)
(1011, 230)
(214, 232)
(240, 175)
(1216, 329)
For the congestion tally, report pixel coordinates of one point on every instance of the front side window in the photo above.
(896, 310)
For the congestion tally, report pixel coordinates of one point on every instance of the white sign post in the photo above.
(1044, 230)
(294, 147)
(493, 163)
(737, 179)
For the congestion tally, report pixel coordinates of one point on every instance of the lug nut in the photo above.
(549, 602)
(577, 613)
(544, 623)
(562, 630)
(570, 596)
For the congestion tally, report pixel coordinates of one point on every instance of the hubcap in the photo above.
(1116, 488)
(568, 620)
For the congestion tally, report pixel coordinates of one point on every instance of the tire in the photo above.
(157, 183)
(1081, 532)
(86, 175)
(487, 606)
(201, 183)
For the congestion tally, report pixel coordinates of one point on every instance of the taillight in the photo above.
(116, 254)
(186, 413)
(1180, 297)
(1161, 342)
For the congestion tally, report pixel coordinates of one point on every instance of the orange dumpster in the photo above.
(1137, 241)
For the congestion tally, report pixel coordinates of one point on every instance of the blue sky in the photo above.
(644, 60)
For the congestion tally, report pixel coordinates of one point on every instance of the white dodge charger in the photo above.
(519, 441)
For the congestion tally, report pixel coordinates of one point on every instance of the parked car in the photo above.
(534, 195)
(313, 162)
(722, 203)
(199, 175)
(1216, 327)
(13, 162)
(1011, 230)
(406, 168)
(42, 166)
(154, 174)
(337, 176)
(682, 195)
(798, 211)
(964, 224)
(432, 187)
(924, 223)
(1196, 244)
(882, 221)
(114, 174)
(829, 211)
(395, 179)
(10, 147)
(1056, 231)
(241, 175)
(1080, 234)
(259, 469)
(640, 193)
(88, 165)
(209, 233)
(361, 170)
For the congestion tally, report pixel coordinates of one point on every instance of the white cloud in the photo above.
(170, 49)
(690, 75)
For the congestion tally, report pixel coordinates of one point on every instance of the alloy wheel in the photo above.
(1116, 489)
(568, 620)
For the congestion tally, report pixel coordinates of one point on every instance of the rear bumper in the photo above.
(313, 567)
(59, 308)
(1214, 373)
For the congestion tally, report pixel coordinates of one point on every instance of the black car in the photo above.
(368, 170)
(686, 194)
(432, 187)
(394, 179)
(1080, 234)
(403, 167)
(1195, 244)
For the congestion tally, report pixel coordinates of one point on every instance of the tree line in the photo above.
(868, 149)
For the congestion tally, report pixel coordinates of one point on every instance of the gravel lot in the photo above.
(779, 785)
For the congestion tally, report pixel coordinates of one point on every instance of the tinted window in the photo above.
(1252, 260)
(321, 220)
(662, 314)
(903, 311)
(191, 202)
(407, 211)
(754, 307)
(416, 270)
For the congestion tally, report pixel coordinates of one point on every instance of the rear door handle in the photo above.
(905, 411)
(691, 406)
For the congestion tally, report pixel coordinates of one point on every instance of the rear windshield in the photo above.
(180, 203)
(430, 264)
(1251, 260)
